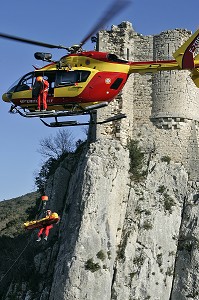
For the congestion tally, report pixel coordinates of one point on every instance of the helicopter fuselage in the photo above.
(75, 82)
(83, 79)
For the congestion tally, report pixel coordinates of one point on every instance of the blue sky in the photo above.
(59, 22)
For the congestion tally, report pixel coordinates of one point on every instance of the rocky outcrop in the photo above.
(118, 238)
(121, 239)
(88, 250)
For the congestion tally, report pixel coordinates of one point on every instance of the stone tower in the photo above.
(163, 108)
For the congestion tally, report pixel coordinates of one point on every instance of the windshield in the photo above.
(55, 79)
(13, 86)
(22, 84)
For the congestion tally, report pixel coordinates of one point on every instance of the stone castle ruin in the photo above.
(163, 106)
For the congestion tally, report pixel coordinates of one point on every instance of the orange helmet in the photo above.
(39, 78)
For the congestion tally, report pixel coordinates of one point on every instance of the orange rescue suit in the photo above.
(42, 97)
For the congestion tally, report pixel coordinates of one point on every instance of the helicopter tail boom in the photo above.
(184, 59)
(153, 66)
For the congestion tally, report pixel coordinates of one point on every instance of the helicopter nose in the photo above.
(6, 97)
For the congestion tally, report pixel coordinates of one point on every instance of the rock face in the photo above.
(96, 212)
(120, 237)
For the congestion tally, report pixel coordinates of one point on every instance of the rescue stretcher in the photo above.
(53, 218)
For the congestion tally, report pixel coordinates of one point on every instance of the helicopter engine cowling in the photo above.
(43, 56)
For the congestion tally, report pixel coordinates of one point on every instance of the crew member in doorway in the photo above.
(44, 231)
(43, 92)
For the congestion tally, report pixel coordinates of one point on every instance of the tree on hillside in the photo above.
(54, 149)
(57, 146)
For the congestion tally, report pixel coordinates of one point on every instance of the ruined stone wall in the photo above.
(174, 93)
(162, 109)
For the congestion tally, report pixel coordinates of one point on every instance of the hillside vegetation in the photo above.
(13, 237)
(15, 212)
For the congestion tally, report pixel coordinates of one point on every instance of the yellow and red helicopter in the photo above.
(83, 81)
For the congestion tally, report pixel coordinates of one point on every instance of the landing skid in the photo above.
(50, 114)
(76, 123)
(58, 113)
(91, 110)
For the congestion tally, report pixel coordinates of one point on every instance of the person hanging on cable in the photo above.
(44, 231)
(41, 87)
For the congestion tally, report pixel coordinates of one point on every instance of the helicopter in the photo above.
(82, 81)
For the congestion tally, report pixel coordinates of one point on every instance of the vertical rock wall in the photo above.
(118, 239)
(85, 268)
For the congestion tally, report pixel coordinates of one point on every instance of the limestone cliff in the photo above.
(118, 239)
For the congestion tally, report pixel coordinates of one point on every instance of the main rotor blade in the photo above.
(27, 41)
(112, 11)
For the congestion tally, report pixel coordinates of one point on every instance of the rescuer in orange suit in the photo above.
(45, 230)
(42, 97)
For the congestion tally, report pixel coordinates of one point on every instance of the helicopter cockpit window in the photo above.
(25, 83)
(67, 78)
(83, 75)
(13, 86)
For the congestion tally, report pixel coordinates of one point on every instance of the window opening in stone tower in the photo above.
(127, 53)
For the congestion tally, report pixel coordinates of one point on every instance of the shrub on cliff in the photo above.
(136, 159)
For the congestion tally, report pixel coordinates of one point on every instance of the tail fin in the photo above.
(184, 55)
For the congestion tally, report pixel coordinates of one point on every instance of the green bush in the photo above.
(168, 203)
(147, 225)
(101, 255)
(91, 266)
(139, 260)
(47, 169)
(136, 160)
(161, 189)
(159, 259)
(166, 159)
